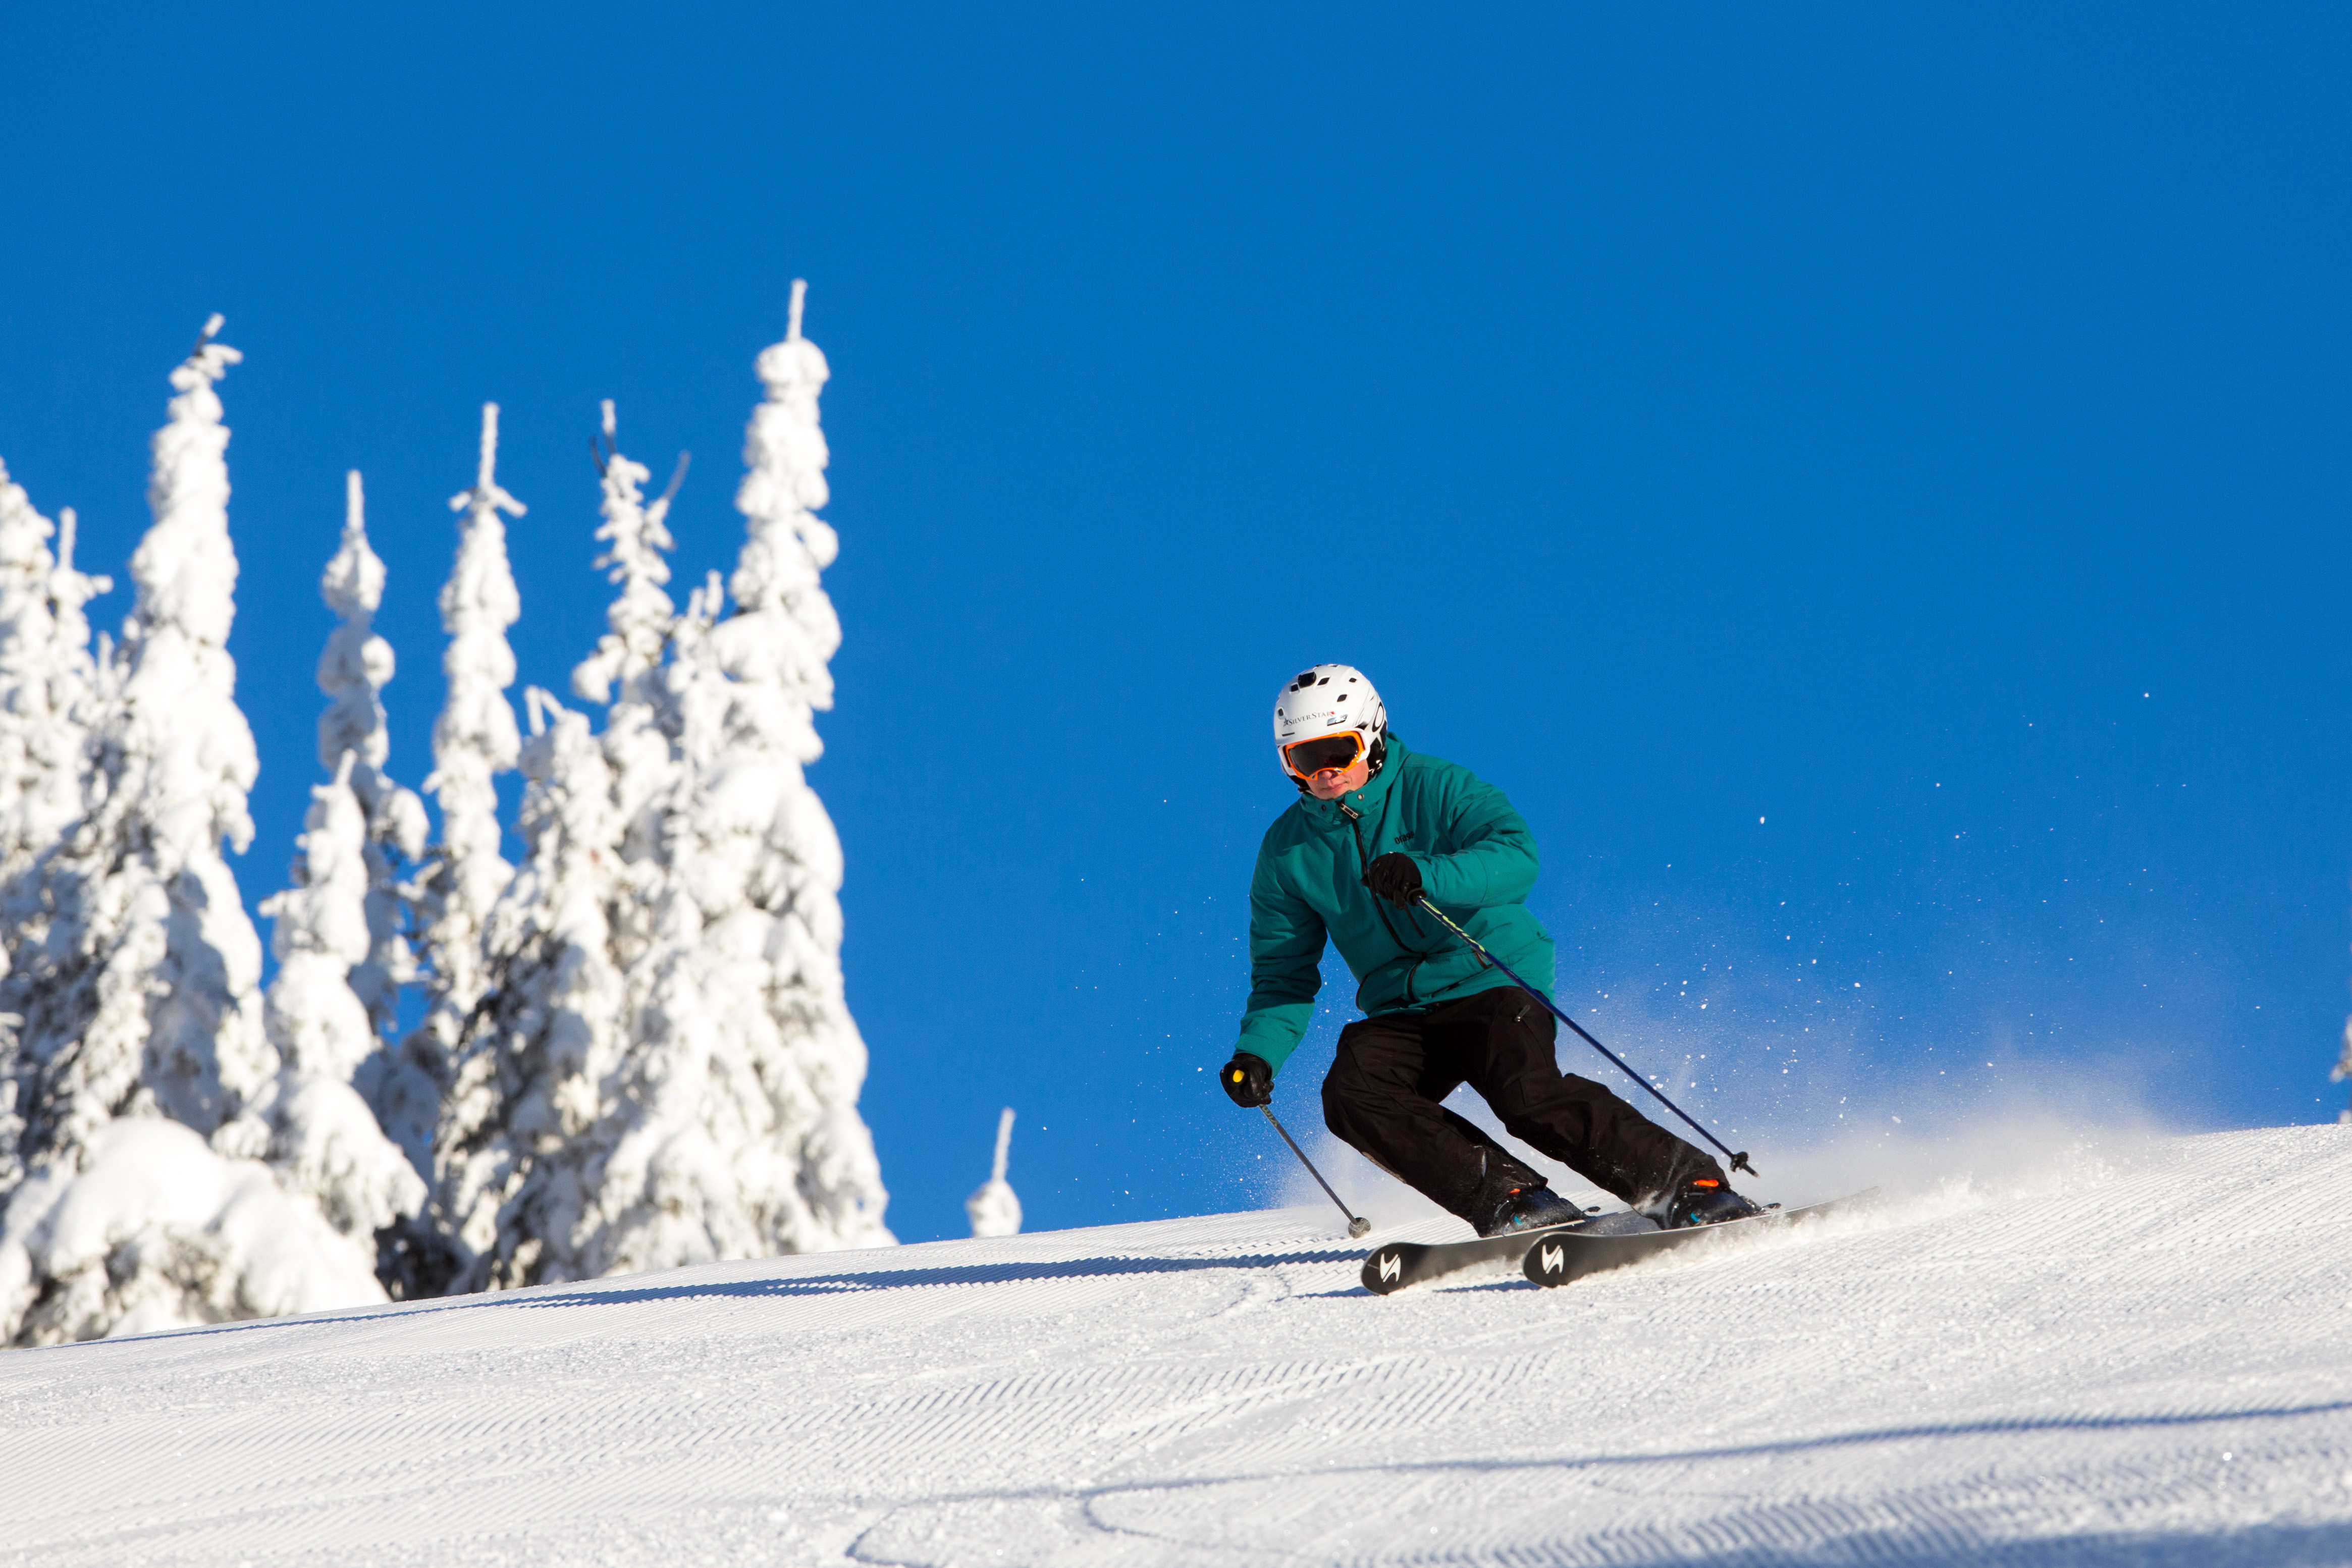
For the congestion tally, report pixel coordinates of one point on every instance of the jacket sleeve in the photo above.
(1286, 967)
(1495, 862)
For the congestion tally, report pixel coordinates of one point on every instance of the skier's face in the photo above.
(1334, 782)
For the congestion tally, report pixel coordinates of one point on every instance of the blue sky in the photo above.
(1870, 486)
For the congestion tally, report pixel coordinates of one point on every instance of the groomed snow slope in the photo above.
(2136, 1353)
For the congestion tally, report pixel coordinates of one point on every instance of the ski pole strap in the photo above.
(1738, 1161)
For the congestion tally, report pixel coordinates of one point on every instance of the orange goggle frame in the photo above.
(1324, 752)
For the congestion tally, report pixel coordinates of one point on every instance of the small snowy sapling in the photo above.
(993, 1208)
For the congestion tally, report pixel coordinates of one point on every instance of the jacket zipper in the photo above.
(1355, 829)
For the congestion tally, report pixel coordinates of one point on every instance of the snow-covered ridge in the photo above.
(2129, 1352)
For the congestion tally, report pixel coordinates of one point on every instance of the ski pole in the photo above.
(1356, 1223)
(1738, 1161)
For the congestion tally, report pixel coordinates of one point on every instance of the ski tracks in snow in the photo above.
(2137, 1362)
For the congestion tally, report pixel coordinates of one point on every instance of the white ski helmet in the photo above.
(1329, 699)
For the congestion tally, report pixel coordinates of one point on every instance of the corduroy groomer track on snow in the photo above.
(1991, 1371)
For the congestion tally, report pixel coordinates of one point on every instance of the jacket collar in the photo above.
(1366, 801)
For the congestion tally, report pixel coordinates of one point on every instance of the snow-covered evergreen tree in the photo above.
(353, 670)
(46, 674)
(740, 1095)
(994, 1209)
(529, 1126)
(142, 1064)
(627, 674)
(520, 1147)
(143, 995)
(474, 741)
(324, 1138)
(664, 1070)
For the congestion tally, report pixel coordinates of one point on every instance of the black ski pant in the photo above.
(1383, 1092)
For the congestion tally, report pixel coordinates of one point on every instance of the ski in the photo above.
(1559, 1256)
(1401, 1263)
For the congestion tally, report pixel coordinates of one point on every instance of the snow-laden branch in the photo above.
(631, 652)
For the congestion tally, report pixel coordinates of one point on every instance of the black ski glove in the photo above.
(1396, 878)
(1249, 1080)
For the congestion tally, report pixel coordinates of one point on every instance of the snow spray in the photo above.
(1738, 1161)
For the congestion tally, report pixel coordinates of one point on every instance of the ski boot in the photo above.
(1704, 1200)
(1527, 1208)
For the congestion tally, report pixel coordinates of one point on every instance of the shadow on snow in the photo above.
(836, 1284)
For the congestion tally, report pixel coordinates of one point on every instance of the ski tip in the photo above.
(1384, 1270)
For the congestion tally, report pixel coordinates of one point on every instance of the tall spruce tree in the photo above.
(324, 1138)
(664, 1070)
(142, 1071)
(353, 669)
(526, 1136)
(341, 952)
(474, 740)
(520, 1147)
(741, 1136)
(47, 676)
(47, 679)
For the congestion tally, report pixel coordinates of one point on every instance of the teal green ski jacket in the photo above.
(1478, 861)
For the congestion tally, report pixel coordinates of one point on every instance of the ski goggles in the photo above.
(1306, 759)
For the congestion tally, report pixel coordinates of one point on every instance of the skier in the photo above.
(1375, 828)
